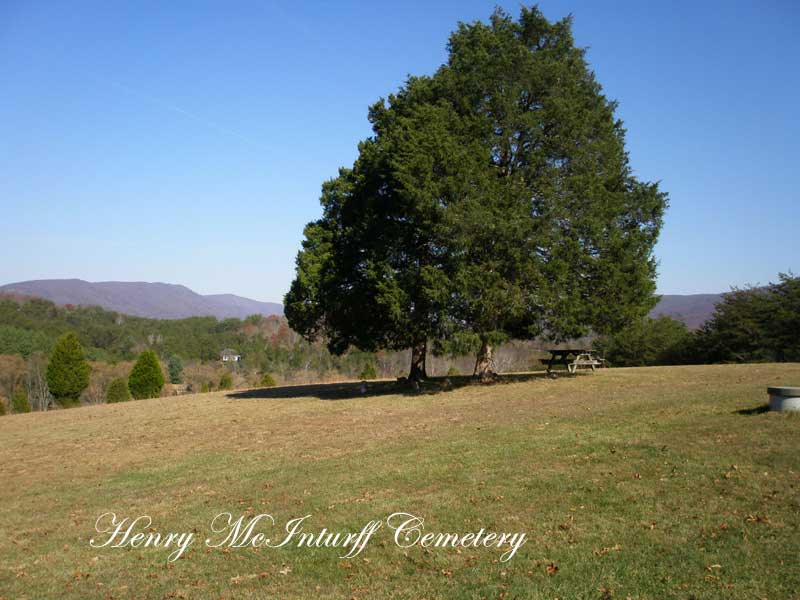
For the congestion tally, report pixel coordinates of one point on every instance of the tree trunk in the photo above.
(419, 353)
(484, 365)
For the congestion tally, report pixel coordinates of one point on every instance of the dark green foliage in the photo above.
(453, 371)
(146, 378)
(19, 401)
(226, 382)
(205, 388)
(32, 325)
(754, 324)
(368, 372)
(118, 391)
(493, 200)
(268, 380)
(647, 341)
(561, 239)
(68, 371)
(15, 340)
(175, 368)
(2, 406)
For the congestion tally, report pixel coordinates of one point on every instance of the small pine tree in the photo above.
(368, 372)
(175, 368)
(118, 391)
(146, 378)
(268, 380)
(226, 382)
(68, 371)
(19, 401)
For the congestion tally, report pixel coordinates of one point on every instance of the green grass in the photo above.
(641, 483)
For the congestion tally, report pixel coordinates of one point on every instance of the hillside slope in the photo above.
(650, 483)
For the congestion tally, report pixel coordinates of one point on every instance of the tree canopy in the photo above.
(754, 324)
(493, 199)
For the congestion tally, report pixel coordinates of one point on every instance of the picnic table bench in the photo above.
(572, 359)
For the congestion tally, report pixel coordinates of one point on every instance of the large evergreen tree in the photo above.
(373, 272)
(68, 371)
(560, 241)
(494, 199)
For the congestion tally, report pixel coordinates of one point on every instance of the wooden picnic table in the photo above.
(571, 358)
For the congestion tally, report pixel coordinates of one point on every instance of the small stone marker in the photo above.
(784, 398)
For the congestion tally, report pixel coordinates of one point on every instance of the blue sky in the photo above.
(186, 142)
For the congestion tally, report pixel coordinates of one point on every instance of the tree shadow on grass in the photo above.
(757, 410)
(353, 389)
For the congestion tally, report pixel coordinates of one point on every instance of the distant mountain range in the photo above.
(692, 309)
(142, 299)
(170, 301)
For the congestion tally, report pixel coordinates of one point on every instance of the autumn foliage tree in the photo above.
(68, 371)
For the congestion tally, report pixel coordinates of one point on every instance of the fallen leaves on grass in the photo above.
(758, 519)
(607, 549)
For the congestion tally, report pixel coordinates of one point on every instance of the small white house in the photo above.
(229, 355)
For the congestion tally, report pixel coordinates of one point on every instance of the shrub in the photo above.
(368, 372)
(146, 378)
(268, 380)
(453, 371)
(68, 371)
(646, 342)
(205, 388)
(19, 401)
(2, 406)
(226, 382)
(118, 391)
(755, 324)
(175, 368)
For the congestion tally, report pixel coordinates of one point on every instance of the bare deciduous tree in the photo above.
(36, 384)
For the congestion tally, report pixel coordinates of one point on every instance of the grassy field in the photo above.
(641, 483)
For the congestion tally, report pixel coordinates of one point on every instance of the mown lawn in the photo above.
(641, 483)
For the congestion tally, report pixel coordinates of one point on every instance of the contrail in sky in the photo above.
(176, 109)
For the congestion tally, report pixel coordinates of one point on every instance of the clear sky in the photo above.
(186, 141)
